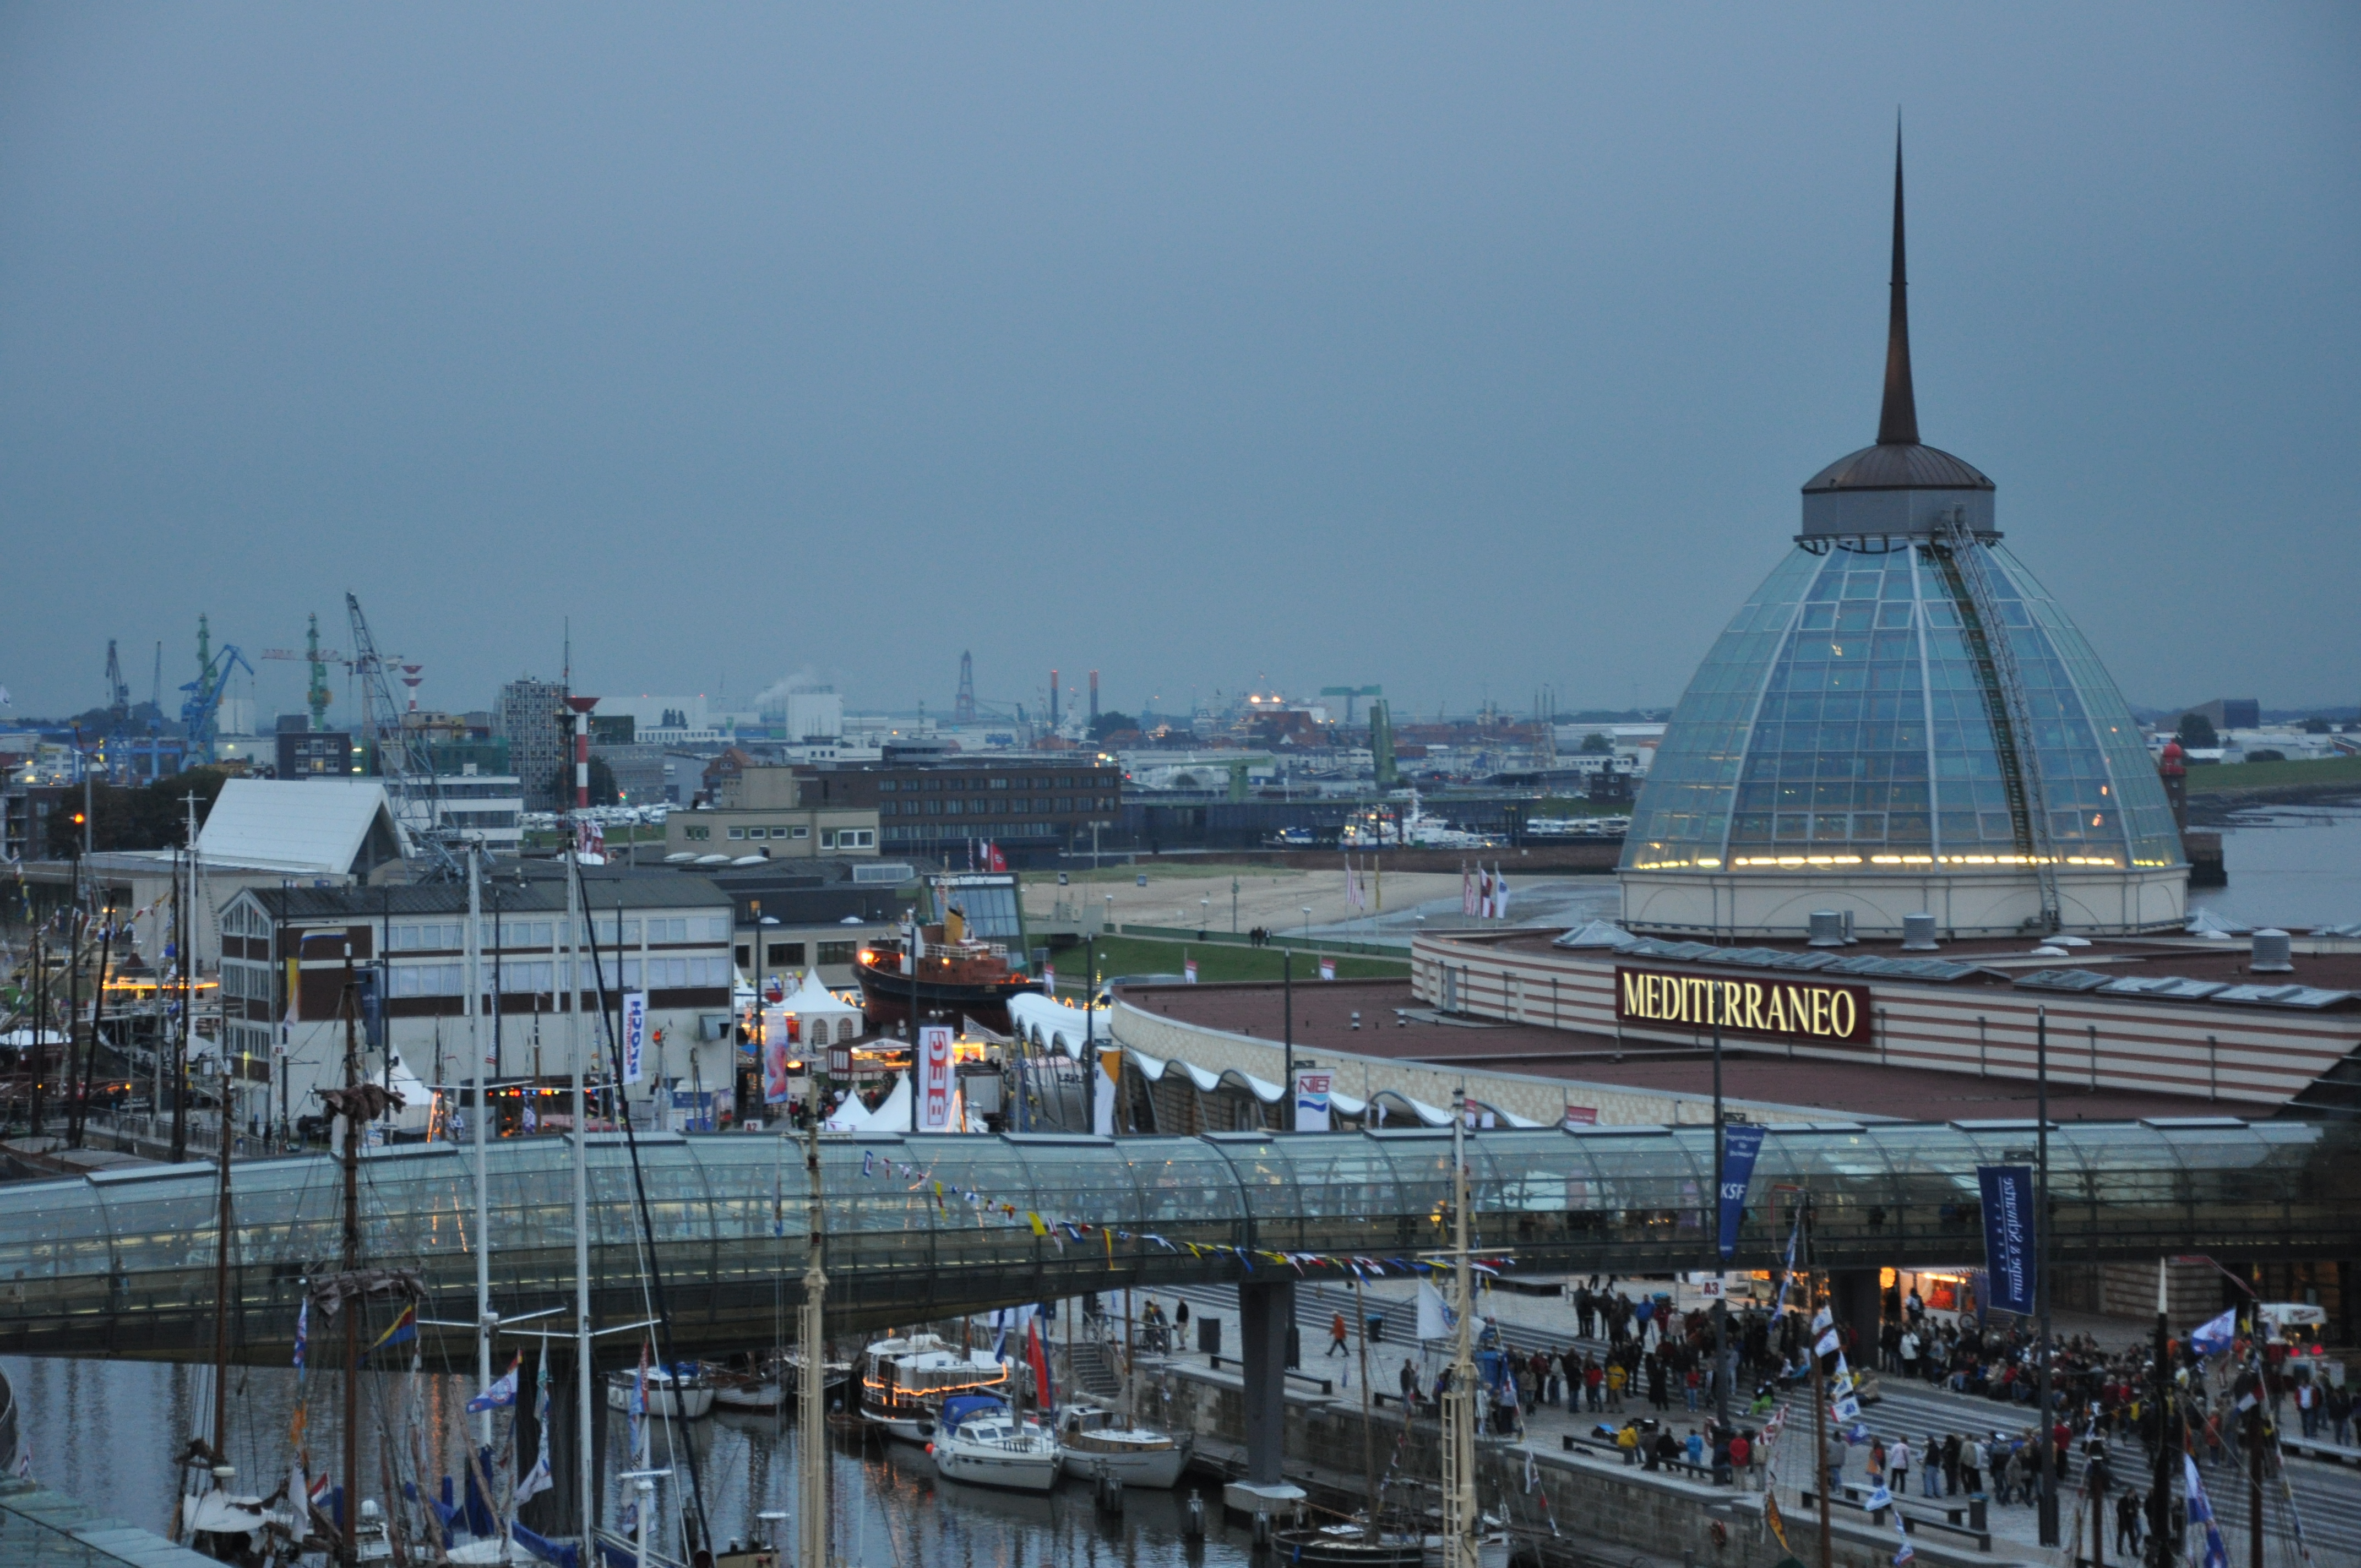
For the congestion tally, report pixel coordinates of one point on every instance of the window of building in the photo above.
(885, 786)
(998, 784)
(1064, 802)
(737, 832)
(978, 807)
(783, 955)
(802, 832)
(699, 834)
(838, 952)
(758, 832)
(952, 807)
(828, 838)
(857, 839)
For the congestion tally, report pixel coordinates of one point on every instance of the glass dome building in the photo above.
(1901, 720)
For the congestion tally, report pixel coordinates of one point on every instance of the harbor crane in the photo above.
(316, 697)
(201, 713)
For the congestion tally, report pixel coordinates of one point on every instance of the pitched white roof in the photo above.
(313, 827)
(811, 999)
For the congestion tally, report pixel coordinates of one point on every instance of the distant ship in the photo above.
(948, 972)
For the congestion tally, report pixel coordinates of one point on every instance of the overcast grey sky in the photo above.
(1458, 349)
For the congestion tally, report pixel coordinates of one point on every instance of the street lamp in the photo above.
(1307, 922)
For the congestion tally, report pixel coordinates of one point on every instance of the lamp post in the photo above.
(1287, 984)
(1307, 923)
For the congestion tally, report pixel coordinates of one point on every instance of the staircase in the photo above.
(1091, 1369)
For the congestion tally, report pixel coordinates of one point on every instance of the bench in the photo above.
(1325, 1385)
(1576, 1442)
(1950, 1524)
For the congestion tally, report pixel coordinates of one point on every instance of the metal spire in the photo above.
(1897, 422)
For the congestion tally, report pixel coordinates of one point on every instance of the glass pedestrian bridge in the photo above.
(124, 1264)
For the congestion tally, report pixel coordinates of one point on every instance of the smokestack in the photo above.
(1094, 700)
(1053, 702)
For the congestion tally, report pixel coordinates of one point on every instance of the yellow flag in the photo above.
(1035, 1221)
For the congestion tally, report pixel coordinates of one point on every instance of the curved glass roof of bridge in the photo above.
(125, 1262)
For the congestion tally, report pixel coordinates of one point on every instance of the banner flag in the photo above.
(1740, 1145)
(2009, 1235)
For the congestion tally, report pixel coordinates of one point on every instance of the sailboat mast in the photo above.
(483, 1115)
(221, 1280)
(811, 1531)
(1368, 1436)
(349, 1541)
(1459, 1406)
(589, 1466)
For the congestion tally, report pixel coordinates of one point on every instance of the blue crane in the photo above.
(201, 714)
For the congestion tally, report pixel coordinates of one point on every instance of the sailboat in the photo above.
(1092, 1442)
(1468, 1539)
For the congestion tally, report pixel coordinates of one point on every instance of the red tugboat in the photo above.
(951, 969)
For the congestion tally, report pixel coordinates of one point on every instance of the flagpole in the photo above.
(2159, 1492)
(2045, 1443)
(484, 1320)
(586, 1467)
(1819, 1392)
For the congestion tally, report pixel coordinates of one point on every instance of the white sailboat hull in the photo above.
(1158, 1467)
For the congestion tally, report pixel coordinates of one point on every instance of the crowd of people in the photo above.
(1640, 1358)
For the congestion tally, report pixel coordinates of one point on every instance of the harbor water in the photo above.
(110, 1432)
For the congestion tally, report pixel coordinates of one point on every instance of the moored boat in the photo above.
(1091, 1443)
(683, 1396)
(980, 1441)
(904, 1381)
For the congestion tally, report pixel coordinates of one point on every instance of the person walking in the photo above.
(1617, 1379)
(1741, 1459)
(1408, 1380)
(2131, 1503)
(1971, 1466)
(1951, 1465)
(1897, 1466)
(1594, 1384)
(1337, 1341)
(1930, 1467)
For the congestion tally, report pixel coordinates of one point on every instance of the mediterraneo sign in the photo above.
(1804, 1011)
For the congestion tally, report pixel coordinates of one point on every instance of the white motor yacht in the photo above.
(980, 1442)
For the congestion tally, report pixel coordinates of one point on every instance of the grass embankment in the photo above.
(1215, 961)
(1159, 870)
(2335, 773)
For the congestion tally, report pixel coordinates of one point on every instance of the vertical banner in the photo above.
(1312, 1100)
(776, 1079)
(2008, 1235)
(1189, 971)
(1740, 1145)
(1327, 969)
(636, 1033)
(935, 1078)
(1049, 980)
(1102, 1105)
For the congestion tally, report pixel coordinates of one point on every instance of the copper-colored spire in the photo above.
(1897, 422)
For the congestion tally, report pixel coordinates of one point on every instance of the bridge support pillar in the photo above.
(1266, 1311)
(1855, 1298)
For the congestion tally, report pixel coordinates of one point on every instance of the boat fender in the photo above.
(1193, 1519)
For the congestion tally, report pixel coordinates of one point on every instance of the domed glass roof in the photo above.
(1841, 721)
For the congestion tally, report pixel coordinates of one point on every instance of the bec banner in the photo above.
(2009, 1235)
(1740, 1145)
(636, 1033)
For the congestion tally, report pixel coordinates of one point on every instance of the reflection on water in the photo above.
(2291, 866)
(107, 1432)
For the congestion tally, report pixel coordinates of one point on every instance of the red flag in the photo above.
(999, 861)
(1041, 1389)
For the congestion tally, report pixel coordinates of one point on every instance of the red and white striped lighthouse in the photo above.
(581, 707)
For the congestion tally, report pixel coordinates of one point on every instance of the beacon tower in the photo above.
(1902, 720)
